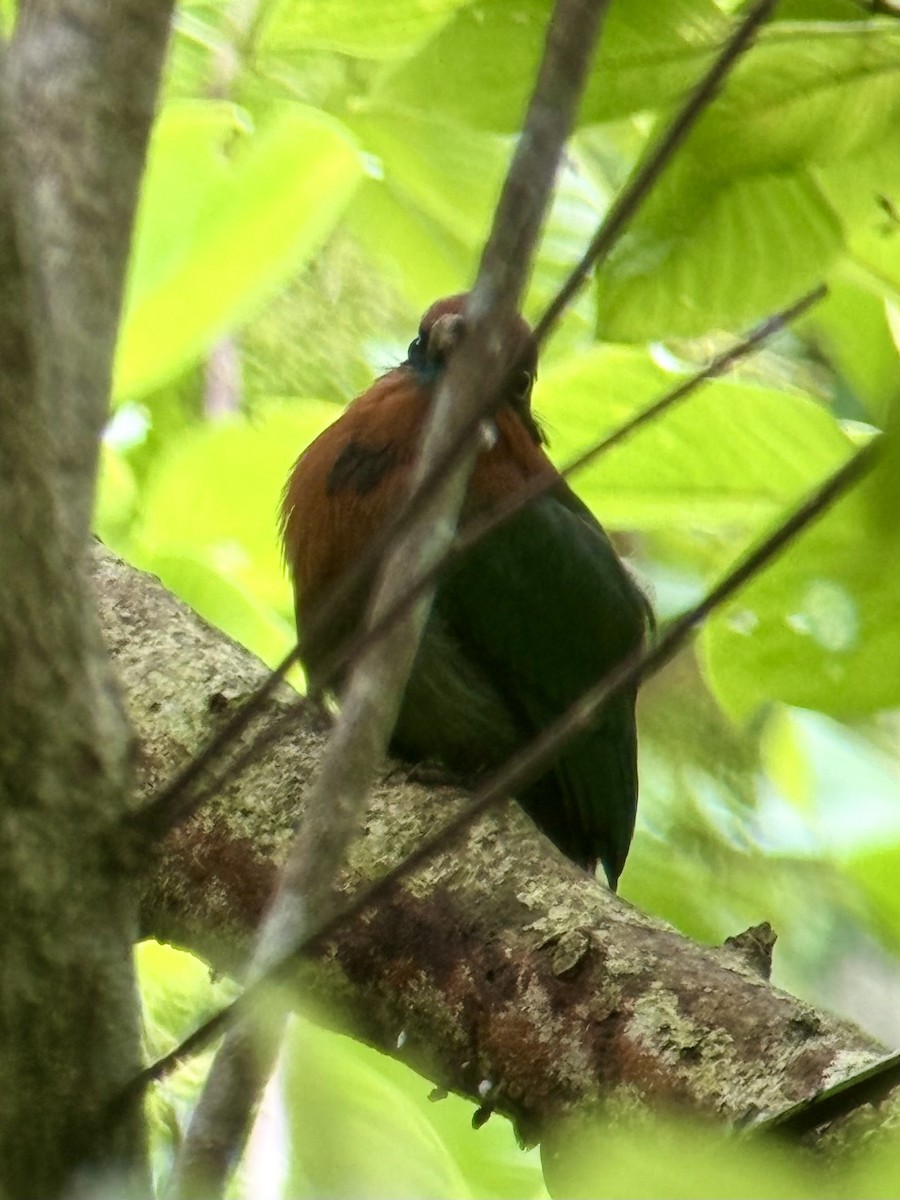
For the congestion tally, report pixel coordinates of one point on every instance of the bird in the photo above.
(522, 623)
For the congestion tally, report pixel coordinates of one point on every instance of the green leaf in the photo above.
(714, 267)
(683, 1160)
(187, 170)
(418, 219)
(218, 491)
(807, 92)
(874, 870)
(479, 68)
(851, 326)
(732, 455)
(177, 991)
(817, 629)
(354, 1131)
(866, 193)
(210, 520)
(219, 228)
(743, 196)
(363, 28)
(177, 994)
(362, 1124)
(116, 500)
(412, 250)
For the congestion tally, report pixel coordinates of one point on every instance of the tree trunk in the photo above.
(74, 121)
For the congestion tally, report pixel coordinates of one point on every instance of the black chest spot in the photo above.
(360, 467)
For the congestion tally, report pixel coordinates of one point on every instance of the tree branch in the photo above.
(305, 896)
(524, 765)
(660, 154)
(501, 961)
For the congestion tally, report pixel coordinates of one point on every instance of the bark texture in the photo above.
(74, 121)
(516, 979)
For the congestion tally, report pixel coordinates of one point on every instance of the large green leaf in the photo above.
(739, 223)
(413, 251)
(361, 1125)
(732, 455)
(716, 271)
(875, 870)
(354, 1131)
(480, 67)
(363, 28)
(683, 1160)
(865, 191)
(177, 994)
(216, 494)
(220, 226)
(210, 521)
(851, 325)
(818, 628)
(425, 218)
(116, 499)
(808, 91)
(452, 175)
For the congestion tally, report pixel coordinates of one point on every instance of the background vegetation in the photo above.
(318, 174)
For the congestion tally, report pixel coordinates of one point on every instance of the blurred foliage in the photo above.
(320, 172)
(679, 1159)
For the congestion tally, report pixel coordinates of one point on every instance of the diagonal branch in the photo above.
(636, 191)
(336, 799)
(533, 758)
(498, 946)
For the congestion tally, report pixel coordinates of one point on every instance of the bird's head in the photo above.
(441, 330)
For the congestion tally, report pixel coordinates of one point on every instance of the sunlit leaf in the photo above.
(117, 496)
(178, 991)
(479, 69)
(354, 1131)
(210, 520)
(683, 1160)
(852, 327)
(817, 629)
(424, 219)
(874, 870)
(221, 224)
(715, 266)
(739, 223)
(732, 455)
(367, 28)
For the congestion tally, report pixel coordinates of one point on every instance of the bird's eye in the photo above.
(522, 386)
(416, 353)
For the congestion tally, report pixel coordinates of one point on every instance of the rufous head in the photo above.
(441, 330)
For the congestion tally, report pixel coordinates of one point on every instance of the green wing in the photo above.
(546, 607)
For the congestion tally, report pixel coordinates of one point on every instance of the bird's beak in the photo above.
(445, 335)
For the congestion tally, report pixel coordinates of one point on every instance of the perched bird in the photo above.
(521, 625)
